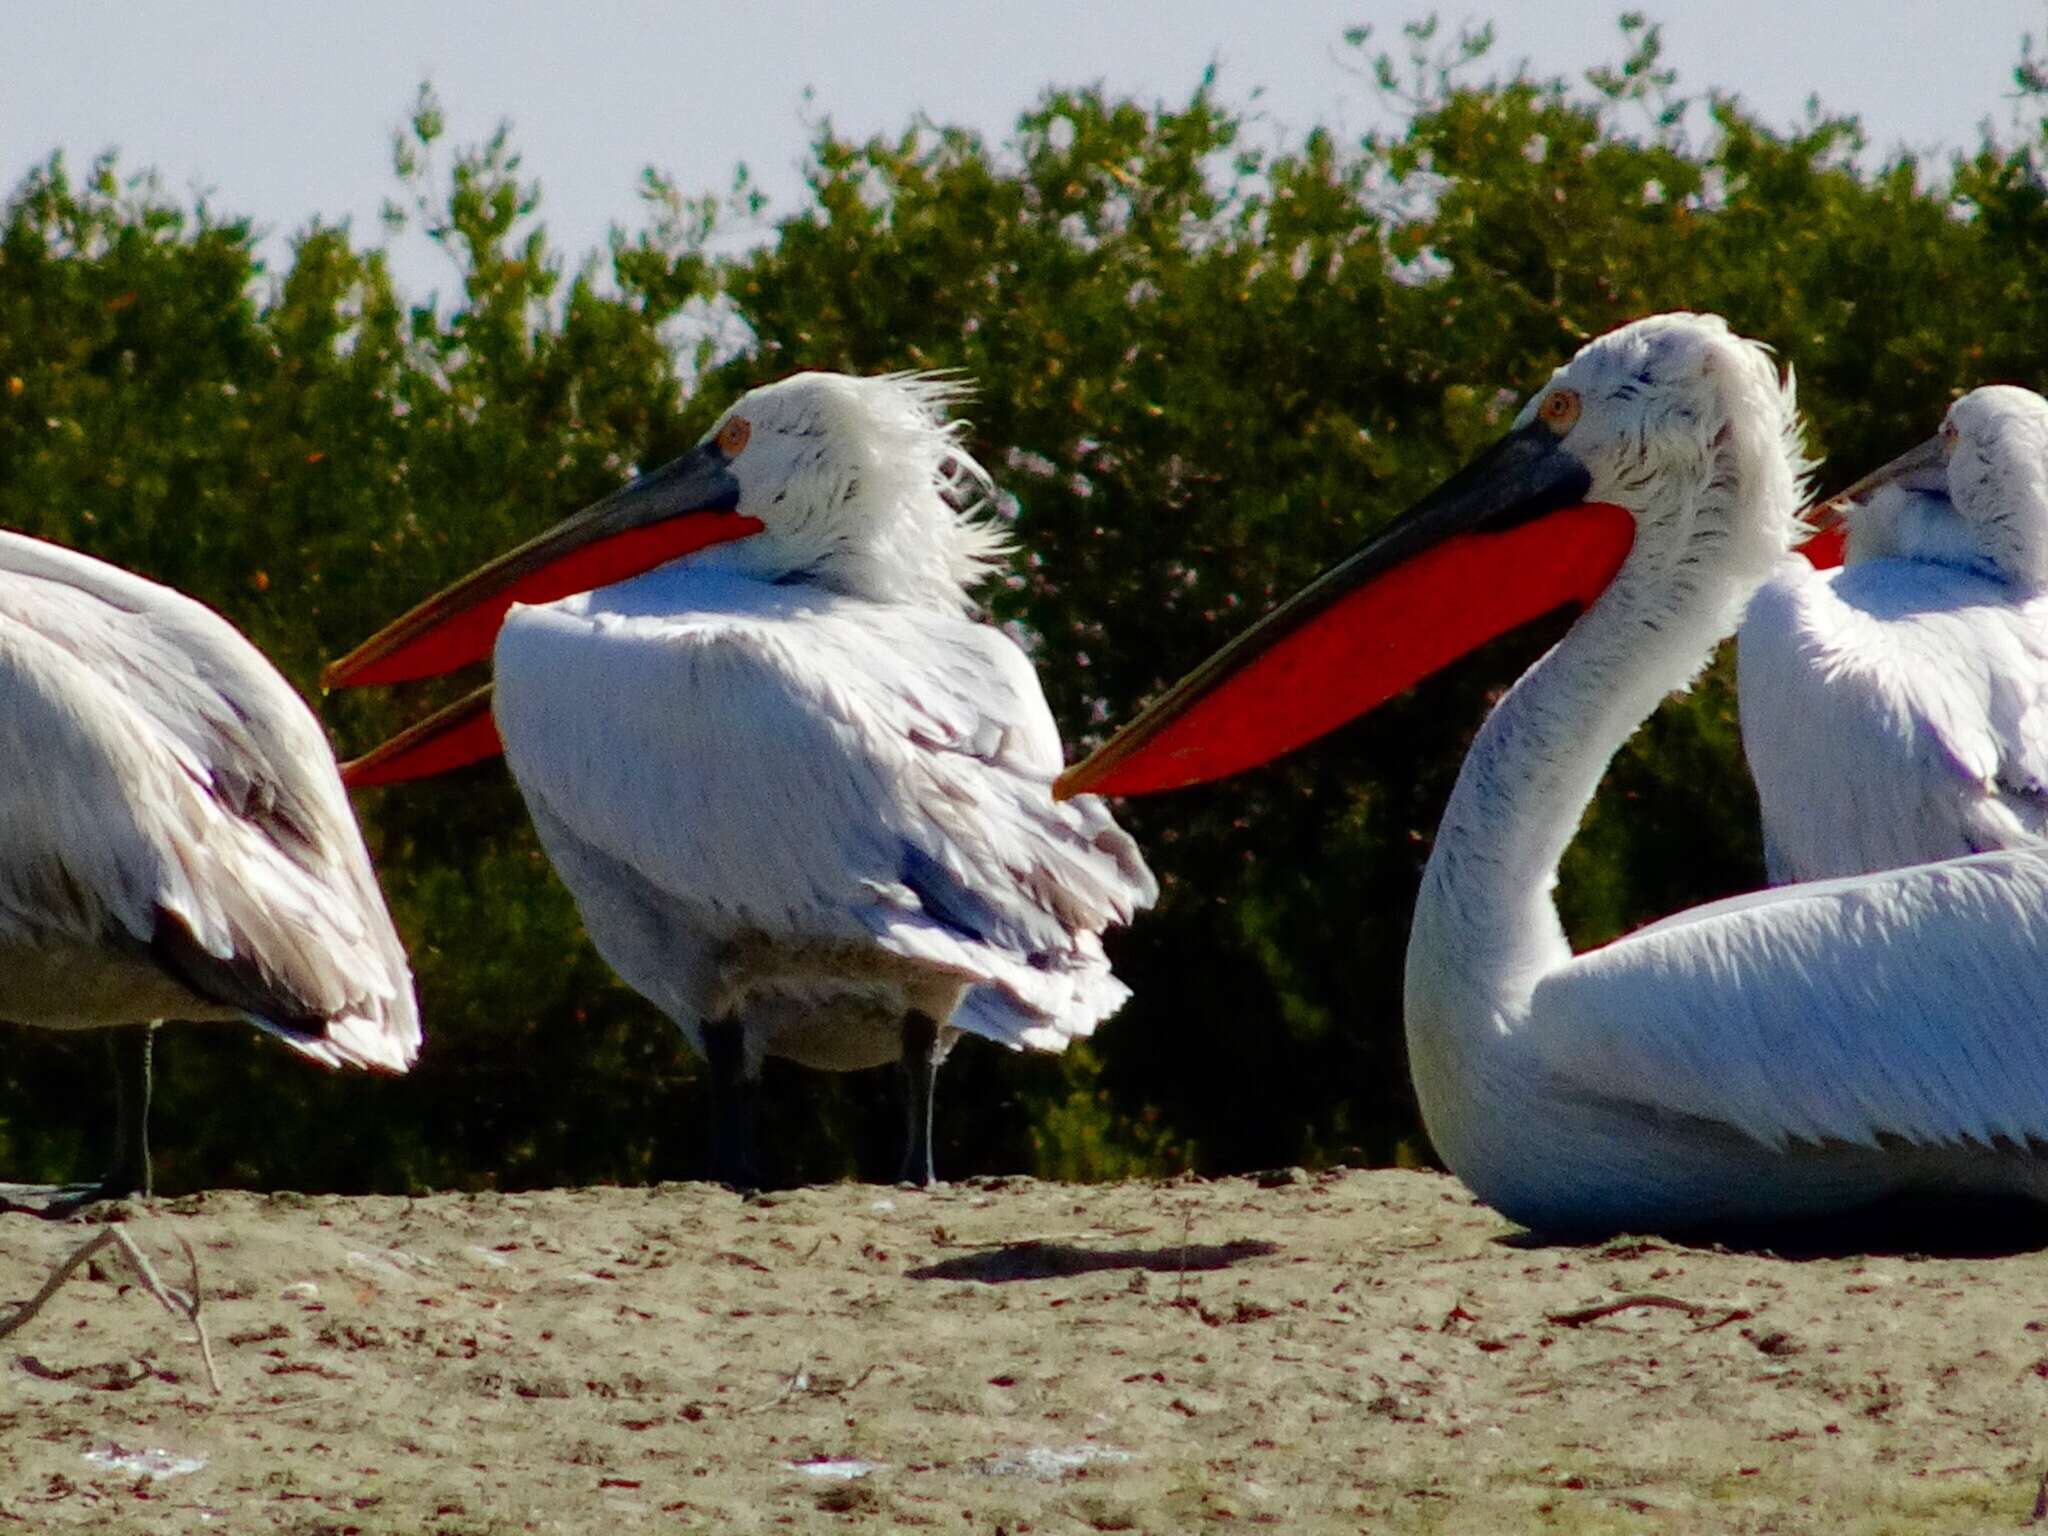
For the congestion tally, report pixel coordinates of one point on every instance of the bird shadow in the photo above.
(1907, 1226)
(1034, 1259)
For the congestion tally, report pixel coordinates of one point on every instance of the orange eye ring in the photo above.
(732, 437)
(1560, 410)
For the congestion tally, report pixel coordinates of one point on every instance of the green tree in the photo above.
(1207, 364)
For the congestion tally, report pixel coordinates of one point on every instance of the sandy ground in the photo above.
(1340, 1352)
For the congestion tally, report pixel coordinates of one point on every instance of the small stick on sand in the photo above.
(1642, 1299)
(803, 1381)
(799, 1381)
(198, 1327)
(57, 1278)
(176, 1302)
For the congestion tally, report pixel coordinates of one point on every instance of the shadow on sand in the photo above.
(1036, 1260)
(1908, 1226)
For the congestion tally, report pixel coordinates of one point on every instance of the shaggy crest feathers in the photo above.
(1690, 427)
(865, 486)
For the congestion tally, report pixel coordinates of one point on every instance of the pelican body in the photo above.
(1895, 710)
(1785, 1055)
(175, 842)
(802, 798)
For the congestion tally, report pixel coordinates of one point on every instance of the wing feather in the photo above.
(1904, 1004)
(1894, 712)
(163, 788)
(787, 761)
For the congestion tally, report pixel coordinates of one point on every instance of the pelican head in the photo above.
(1661, 464)
(1670, 417)
(859, 485)
(1974, 496)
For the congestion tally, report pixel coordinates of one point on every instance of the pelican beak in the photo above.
(448, 739)
(1827, 544)
(1923, 467)
(1508, 538)
(686, 505)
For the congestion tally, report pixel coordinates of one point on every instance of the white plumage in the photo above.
(802, 798)
(1790, 1054)
(1895, 710)
(764, 793)
(174, 838)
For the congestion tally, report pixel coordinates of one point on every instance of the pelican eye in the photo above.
(1559, 410)
(1951, 434)
(732, 437)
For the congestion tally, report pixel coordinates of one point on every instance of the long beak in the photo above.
(1923, 467)
(448, 739)
(1505, 540)
(684, 506)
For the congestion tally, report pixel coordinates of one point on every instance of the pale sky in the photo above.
(282, 110)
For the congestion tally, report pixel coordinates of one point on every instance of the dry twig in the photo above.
(801, 1381)
(198, 1327)
(57, 1278)
(177, 1303)
(1692, 1309)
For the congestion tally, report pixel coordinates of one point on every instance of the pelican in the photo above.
(175, 842)
(803, 801)
(1895, 711)
(1801, 1051)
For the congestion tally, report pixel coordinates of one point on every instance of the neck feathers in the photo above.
(1709, 532)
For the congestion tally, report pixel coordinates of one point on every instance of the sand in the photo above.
(1337, 1352)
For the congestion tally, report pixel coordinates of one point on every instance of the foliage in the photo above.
(1206, 367)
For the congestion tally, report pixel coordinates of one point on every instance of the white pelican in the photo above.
(1800, 1051)
(803, 800)
(175, 842)
(1895, 711)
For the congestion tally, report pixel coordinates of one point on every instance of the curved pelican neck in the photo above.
(1486, 928)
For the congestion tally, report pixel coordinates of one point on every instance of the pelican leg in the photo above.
(920, 1065)
(131, 1049)
(134, 1053)
(734, 1092)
